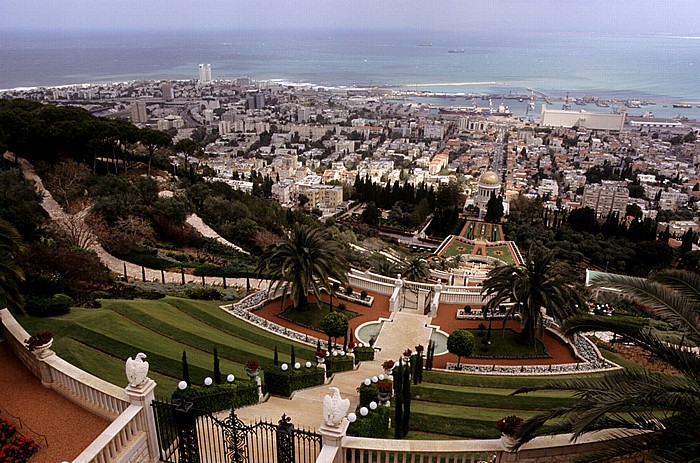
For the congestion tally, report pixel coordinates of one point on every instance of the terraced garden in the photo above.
(99, 340)
(445, 405)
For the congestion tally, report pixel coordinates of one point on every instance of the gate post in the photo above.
(143, 396)
(285, 440)
(186, 423)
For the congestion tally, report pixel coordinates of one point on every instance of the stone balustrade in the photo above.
(131, 436)
(124, 432)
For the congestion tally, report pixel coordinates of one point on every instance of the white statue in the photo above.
(137, 370)
(335, 408)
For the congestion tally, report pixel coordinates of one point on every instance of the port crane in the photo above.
(566, 106)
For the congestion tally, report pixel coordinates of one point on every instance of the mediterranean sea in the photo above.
(663, 69)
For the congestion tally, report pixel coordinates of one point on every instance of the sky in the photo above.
(671, 17)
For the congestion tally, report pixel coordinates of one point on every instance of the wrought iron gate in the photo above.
(189, 435)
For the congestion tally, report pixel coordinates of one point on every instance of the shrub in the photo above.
(349, 291)
(363, 295)
(219, 397)
(338, 363)
(283, 383)
(58, 304)
(203, 293)
(375, 424)
(149, 261)
(364, 354)
(367, 394)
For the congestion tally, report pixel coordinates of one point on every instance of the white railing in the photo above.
(560, 447)
(102, 397)
(125, 439)
(120, 434)
(370, 283)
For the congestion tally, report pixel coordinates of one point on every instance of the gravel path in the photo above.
(68, 428)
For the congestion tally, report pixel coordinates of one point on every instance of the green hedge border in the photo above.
(283, 383)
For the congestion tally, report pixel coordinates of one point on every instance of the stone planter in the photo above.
(384, 398)
(252, 374)
(43, 350)
(507, 441)
(388, 371)
(320, 360)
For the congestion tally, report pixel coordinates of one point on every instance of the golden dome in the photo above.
(489, 178)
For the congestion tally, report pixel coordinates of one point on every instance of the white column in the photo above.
(143, 396)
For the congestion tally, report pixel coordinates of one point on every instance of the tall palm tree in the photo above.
(11, 274)
(633, 399)
(540, 283)
(416, 269)
(306, 259)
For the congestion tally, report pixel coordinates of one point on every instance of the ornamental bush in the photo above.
(338, 363)
(283, 383)
(58, 304)
(460, 343)
(203, 293)
(219, 397)
(375, 424)
(367, 394)
(363, 354)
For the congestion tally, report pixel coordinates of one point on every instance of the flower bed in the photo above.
(14, 447)
(357, 298)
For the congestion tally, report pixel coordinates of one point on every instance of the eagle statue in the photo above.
(137, 370)
(335, 408)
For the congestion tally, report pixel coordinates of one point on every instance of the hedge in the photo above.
(58, 304)
(375, 424)
(367, 394)
(149, 261)
(203, 293)
(219, 397)
(363, 354)
(338, 363)
(283, 383)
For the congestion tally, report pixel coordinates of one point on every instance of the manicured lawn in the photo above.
(100, 340)
(504, 343)
(313, 318)
(500, 252)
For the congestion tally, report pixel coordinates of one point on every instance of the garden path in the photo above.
(305, 406)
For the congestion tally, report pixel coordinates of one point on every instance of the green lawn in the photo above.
(313, 318)
(100, 340)
(504, 343)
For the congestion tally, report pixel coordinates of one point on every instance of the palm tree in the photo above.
(632, 399)
(307, 258)
(11, 274)
(540, 283)
(416, 269)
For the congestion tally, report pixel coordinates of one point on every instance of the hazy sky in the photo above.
(607, 16)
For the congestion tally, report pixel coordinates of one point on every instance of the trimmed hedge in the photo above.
(375, 424)
(367, 394)
(149, 261)
(364, 354)
(283, 383)
(219, 397)
(338, 363)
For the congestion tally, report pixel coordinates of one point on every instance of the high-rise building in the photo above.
(167, 91)
(205, 73)
(138, 112)
(255, 100)
(606, 197)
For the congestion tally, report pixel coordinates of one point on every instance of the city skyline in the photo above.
(620, 17)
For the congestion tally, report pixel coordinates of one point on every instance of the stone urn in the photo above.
(508, 441)
(43, 350)
(252, 374)
(384, 397)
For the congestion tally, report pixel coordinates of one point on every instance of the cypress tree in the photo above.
(217, 369)
(406, 392)
(185, 369)
(398, 401)
(294, 358)
(276, 358)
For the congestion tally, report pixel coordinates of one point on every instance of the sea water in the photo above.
(643, 67)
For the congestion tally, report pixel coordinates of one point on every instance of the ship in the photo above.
(682, 105)
(456, 50)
